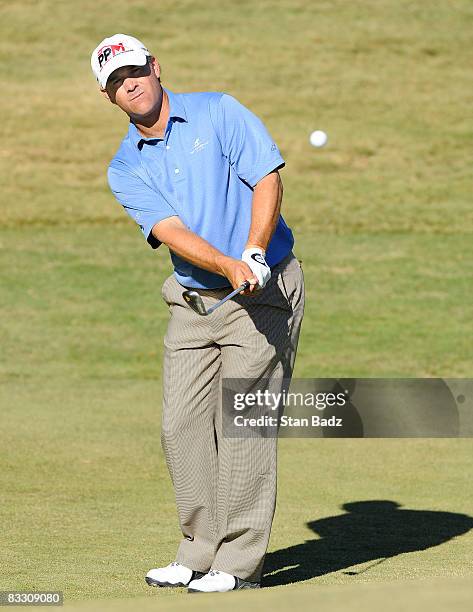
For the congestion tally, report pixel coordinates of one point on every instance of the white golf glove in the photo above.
(254, 258)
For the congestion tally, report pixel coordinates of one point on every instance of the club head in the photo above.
(195, 302)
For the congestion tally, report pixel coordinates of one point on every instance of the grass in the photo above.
(383, 223)
(435, 595)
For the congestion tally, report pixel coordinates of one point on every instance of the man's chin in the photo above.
(141, 109)
(144, 114)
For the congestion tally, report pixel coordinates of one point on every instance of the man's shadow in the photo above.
(370, 531)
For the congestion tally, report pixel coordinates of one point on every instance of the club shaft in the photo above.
(242, 287)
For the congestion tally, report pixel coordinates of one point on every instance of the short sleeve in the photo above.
(144, 205)
(245, 140)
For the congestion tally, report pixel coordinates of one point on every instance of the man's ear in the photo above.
(155, 67)
(105, 94)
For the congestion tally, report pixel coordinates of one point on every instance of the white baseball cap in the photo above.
(114, 52)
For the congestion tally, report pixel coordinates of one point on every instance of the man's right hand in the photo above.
(237, 272)
(191, 247)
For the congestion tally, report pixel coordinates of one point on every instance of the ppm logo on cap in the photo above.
(107, 52)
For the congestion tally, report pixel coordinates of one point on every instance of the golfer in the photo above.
(198, 172)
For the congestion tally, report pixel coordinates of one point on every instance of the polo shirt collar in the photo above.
(176, 111)
(176, 106)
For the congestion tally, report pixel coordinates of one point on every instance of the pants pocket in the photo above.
(165, 288)
(289, 280)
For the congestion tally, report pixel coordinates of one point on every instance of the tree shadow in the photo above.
(371, 530)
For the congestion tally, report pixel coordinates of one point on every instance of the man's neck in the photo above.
(155, 126)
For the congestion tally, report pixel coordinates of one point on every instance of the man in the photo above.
(199, 173)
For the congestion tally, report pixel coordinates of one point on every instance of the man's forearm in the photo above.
(191, 247)
(266, 206)
(188, 245)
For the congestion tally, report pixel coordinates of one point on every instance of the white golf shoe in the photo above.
(219, 582)
(173, 575)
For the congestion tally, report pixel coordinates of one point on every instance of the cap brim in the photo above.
(128, 58)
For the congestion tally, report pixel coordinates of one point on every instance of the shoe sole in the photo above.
(240, 588)
(156, 583)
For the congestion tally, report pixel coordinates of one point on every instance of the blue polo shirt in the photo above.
(213, 153)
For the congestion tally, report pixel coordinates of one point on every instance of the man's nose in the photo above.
(130, 84)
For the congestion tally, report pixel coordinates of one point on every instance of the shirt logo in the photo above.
(198, 146)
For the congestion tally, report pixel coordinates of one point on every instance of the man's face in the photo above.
(136, 89)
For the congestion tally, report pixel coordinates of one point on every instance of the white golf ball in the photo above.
(318, 138)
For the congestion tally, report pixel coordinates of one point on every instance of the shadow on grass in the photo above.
(370, 531)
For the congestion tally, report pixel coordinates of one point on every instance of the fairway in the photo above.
(451, 594)
(383, 223)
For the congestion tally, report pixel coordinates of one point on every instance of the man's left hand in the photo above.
(254, 258)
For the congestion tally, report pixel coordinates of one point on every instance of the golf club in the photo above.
(194, 300)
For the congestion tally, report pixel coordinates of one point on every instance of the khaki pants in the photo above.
(225, 487)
